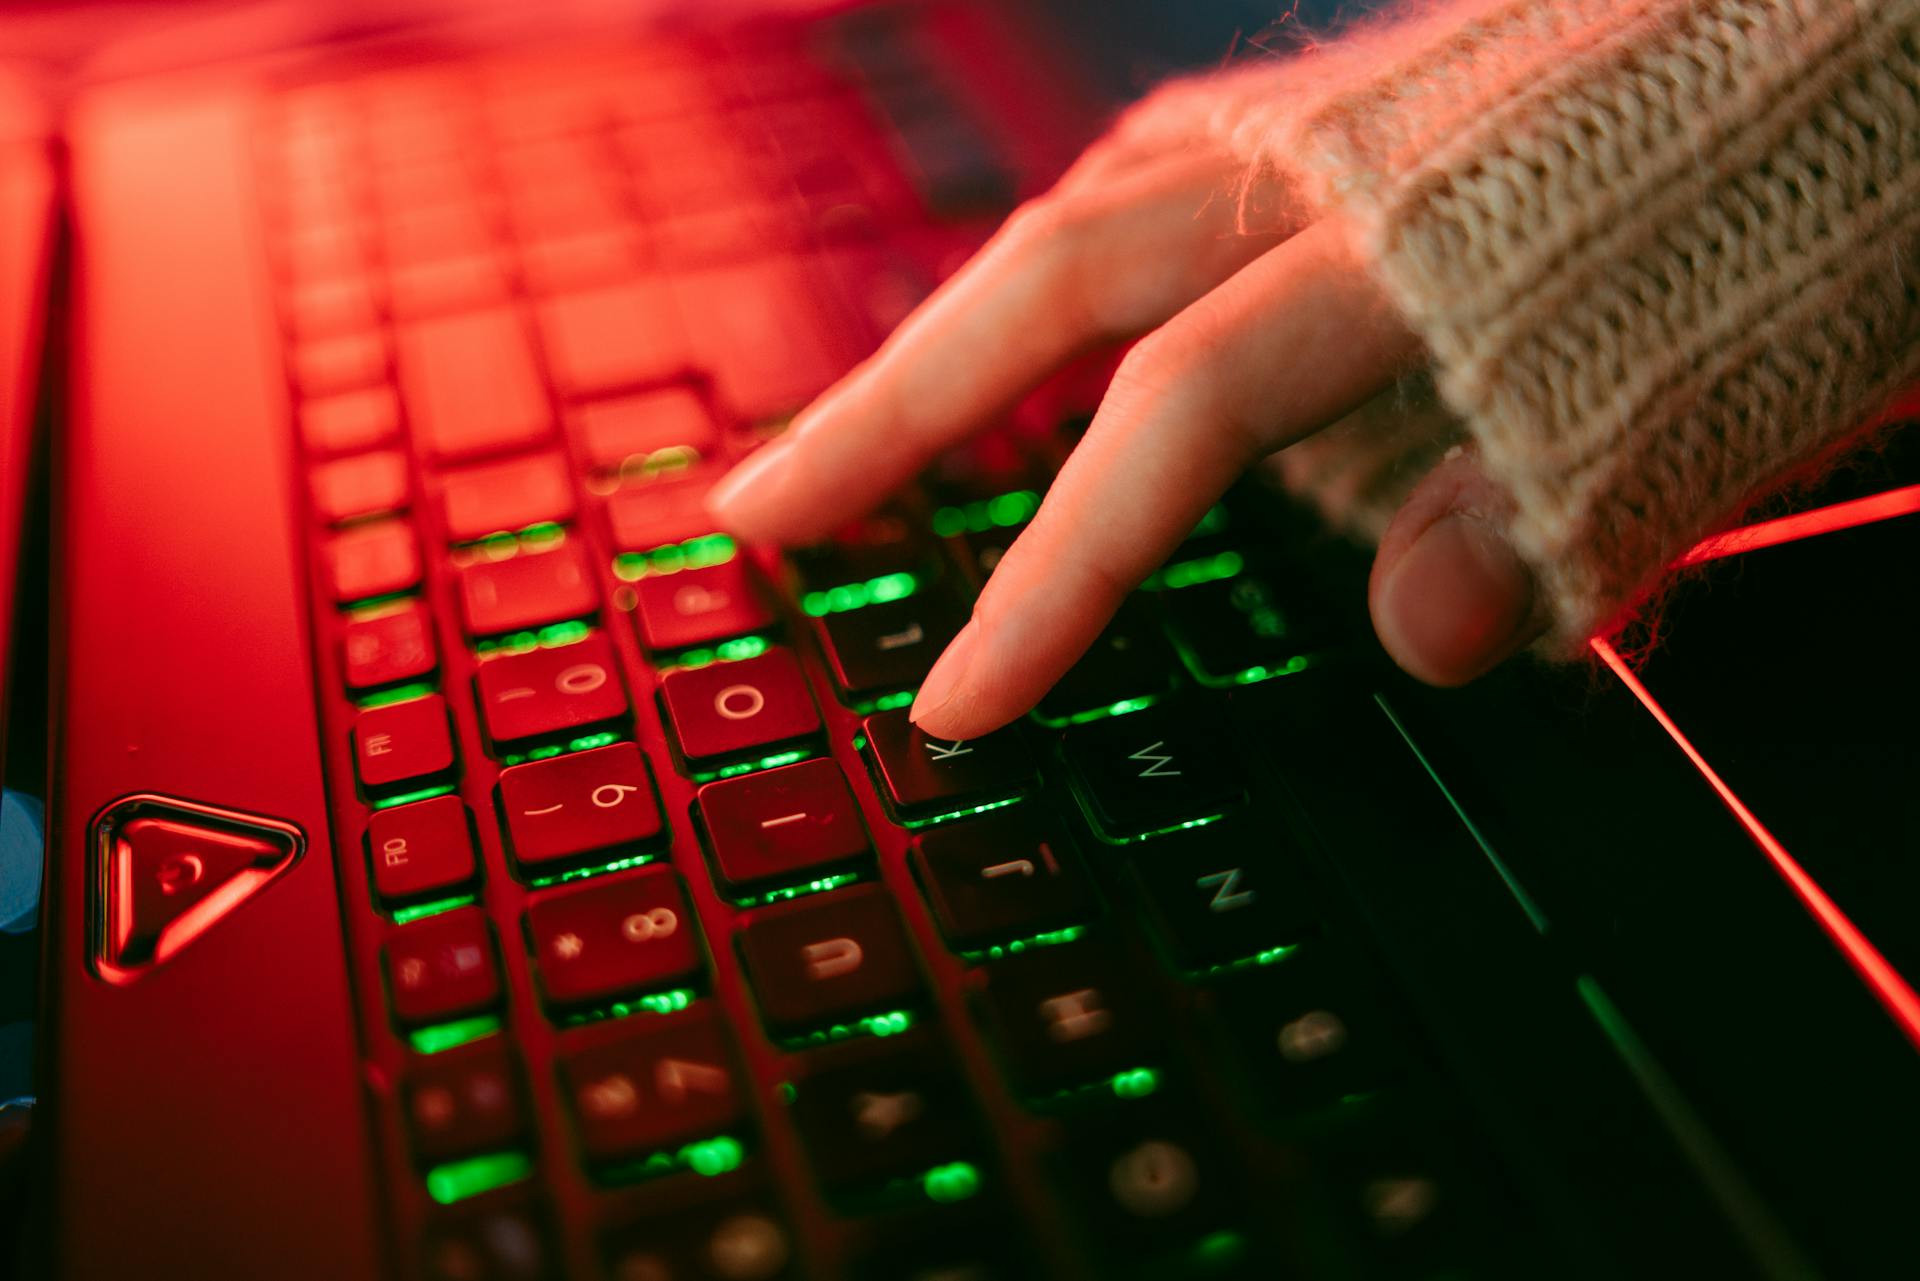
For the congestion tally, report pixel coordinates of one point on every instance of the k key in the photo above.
(1150, 771)
(921, 775)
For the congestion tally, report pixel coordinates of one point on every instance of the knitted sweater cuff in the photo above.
(1657, 248)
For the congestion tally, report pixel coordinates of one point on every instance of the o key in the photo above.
(731, 709)
(548, 692)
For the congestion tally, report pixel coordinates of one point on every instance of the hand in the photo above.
(1256, 333)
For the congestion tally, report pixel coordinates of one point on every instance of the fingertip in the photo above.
(1455, 601)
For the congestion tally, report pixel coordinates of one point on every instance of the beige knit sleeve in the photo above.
(1662, 251)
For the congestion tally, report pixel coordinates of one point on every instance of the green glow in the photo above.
(785, 1092)
(1247, 676)
(585, 743)
(1221, 1249)
(551, 636)
(1191, 573)
(375, 604)
(1160, 831)
(955, 1181)
(445, 1036)
(606, 738)
(1212, 523)
(887, 702)
(1270, 956)
(892, 1023)
(1003, 511)
(695, 553)
(668, 1002)
(915, 824)
(1097, 714)
(848, 596)
(1133, 1083)
(600, 869)
(1136, 1083)
(1052, 938)
(405, 798)
(748, 767)
(781, 895)
(419, 911)
(725, 652)
(398, 694)
(506, 544)
(458, 1180)
(706, 1157)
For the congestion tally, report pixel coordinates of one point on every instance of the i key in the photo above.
(828, 957)
(920, 775)
(1150, 771)
(566, 807)
(782, 825)
(730, 709)
(546, 692)
(999, 877)
(610, 938)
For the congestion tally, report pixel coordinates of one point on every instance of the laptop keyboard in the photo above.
(680, 952)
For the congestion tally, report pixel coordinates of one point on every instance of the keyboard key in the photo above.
(920, 775)
(391, 646)
(730, 709)
(887, 647)
(614, 937)
(1065, 1015)
(1310, 1033)
(654, 513)
(1223, 892)
(1153, 770)
(470, 385)
(417, 290)
(351, 362)
(442, 967)
(564, 807)
(762, 334)
(376, 559)
(614, 338)
(464, 1102)
(547, 692)
(617, 434)
(328, 308)
(782, 825)
(734, 1243)
(828, 957)
(672, 1082)
(350, 420)
(580, 260)
(1235, 626)
(699, 606)
(889, 1117)
(403, 745)
(422, 848)
(500, 497)
(363, 485)
(998, 877)
(494, 1238)
(1148, 1183)
(886, 545)
(527, 590)
(1129, 661)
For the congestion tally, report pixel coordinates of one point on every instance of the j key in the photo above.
(564, 807)
(655, 513)
(884, 1118)
(616, 433)
(1064, 1015)
(1239, 625)
(699, 606)
(442, 967)
(402, 744)
(364, 485)
(370, 560)
(389, 647)
(828, 957)
(610, 938)
(1129, 661)
(1223, 892)
(422, 848)
(350, 420)
(728, 709)
(546, 692)
(471, 386)
(889, 646)
(782, 825)
(613, 338)
(734, 1243)
(1310, 1032)
(998, 877)
(499, 497)
(670, 1083)
(464, 1102)
(527, 590)
(1149, 771)
(921, 775)
(1148, 1183)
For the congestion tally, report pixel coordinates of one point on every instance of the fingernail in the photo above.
(748, 477)
(947, 675)
(1458, 602)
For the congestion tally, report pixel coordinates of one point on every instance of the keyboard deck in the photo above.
(679, 952)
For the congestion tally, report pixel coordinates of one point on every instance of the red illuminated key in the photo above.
(828, 957)
(403, 744)
(499, 497)
(350, 420)
(549, 691)
(342, 364)
(611, 938)
(727, 709)
(340, 306)
(699, 606)
(614, 338)
(442, 967)
(389, 647)
(782, 824)
(567, 806)
(423, 289)
(761, 333)
(654, 513)
(420, 848)
(464, 1102)
(377, 559)
(364, 485)
(673, 1082)
(470, 384)
(527, 590)
(614, 431)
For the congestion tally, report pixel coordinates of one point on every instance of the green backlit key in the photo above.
(1129, 664)
(1153, 771)
(1235, 630)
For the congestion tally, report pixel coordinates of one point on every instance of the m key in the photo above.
(1151, 771)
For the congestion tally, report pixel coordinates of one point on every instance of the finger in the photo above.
(1291, 342)
(1449, 596)
(1063, 276)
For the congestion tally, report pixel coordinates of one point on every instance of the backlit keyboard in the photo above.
(679, 952)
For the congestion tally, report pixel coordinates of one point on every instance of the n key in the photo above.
(1151, 771)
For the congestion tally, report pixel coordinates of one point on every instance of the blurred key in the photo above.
(464, 1102)
(614, 432)
(737, 1242)
(876, 558)
(782, 825)
(1223, 892)
(385, 648)
(494, 1238)
(671, 1082)
(921, 775)
(442, 967)
(828, 957)
(699, 606)
(329, 308)
(890, 646)
(571, 261)
(895, 1115)
(363, 485)
(1239, 626)
(495, 498)
(402, 745)
(1148, 1184)
(1311, 1032)
(614, 338)
(471, 386)
(1149, 771)
(329, 366)
(579, 803)
(375, 559)
(764, 335)
(527, 590)
(612, 937)
(727, 710)
(654, 513)
(999, 877)
(1129, 662)
(349, 420)
(419, 290)
(547, 692)
(422, 848)
(1065, 1015)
